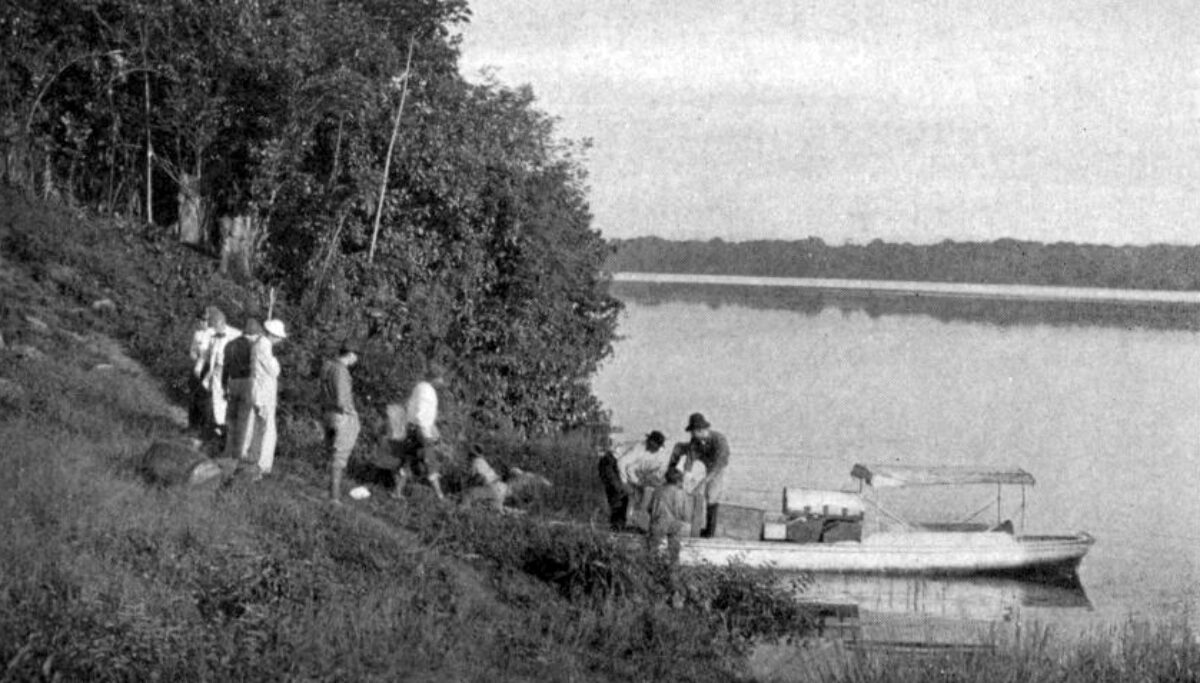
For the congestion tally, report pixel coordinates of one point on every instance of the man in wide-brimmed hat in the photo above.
(711, 448)
(264, 396)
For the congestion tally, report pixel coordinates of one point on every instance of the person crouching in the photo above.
(670, 516)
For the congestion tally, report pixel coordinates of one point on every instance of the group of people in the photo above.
(693, 471)
(234, 386)
(412, 442)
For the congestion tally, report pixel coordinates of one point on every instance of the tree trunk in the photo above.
(192, 210)
(238, 237)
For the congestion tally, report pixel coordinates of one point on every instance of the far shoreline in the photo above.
(919, 289)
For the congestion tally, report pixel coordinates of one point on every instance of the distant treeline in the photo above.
(1005, 261)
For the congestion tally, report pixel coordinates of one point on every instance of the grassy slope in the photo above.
(103, 577)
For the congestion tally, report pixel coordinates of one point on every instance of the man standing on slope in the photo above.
(421, 436)
(214, 375)
(198, 399)
(264, 395)
(236, 380)
(341, 417)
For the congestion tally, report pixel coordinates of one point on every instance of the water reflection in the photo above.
(931, 612)
(1001, 312)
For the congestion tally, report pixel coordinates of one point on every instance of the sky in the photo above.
(901, 120)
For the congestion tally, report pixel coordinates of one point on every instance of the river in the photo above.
(1098, 399)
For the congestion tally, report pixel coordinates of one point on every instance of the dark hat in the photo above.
(656, 437)
(696, 421)
(348, 346)
(475, 450)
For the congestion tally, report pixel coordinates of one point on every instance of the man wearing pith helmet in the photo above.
(711, 448)
(264, 395)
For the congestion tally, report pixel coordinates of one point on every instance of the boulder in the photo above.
(174, 463)
(37, 324)
(27, 352)
(11, 392)
(104, 306)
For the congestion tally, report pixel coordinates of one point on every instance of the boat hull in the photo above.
(931, 553)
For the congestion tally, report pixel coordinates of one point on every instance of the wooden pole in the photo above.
(387, 163)
(149, 213)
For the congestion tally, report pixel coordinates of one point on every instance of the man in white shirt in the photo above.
(214, 372)
(264, 395)
(198, 401)
(418, 455)
(644, 458)
(486, 485)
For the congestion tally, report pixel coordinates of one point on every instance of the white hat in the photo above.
(274, 328)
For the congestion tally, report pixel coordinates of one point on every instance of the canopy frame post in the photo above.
(999, 504)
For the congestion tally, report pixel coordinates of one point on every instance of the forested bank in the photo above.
(1006, 261)
(331, 153)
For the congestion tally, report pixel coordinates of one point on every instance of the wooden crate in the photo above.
(736, 521)
(841, 530)
(774, 531)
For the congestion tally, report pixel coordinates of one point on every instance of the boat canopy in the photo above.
(884, 476)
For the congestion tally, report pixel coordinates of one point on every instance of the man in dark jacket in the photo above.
(711, 448)
(614, 489)
(340, 415)
(235, 378)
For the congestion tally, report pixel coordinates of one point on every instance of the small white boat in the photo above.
(912, 548)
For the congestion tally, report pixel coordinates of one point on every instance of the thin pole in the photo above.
(999, 510)
(387, 163)
(1022, 509)
(149, 213)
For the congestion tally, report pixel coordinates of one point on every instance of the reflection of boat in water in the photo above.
(809, 539)
(975, 599)
(922, 614)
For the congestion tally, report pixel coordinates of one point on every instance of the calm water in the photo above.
(1100, 402)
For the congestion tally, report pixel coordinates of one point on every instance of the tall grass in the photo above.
(105, 578)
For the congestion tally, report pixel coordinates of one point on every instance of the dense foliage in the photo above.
(1006, 261)
(265, 130)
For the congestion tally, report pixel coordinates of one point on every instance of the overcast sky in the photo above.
(1051, 120)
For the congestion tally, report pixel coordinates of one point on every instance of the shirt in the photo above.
(337, 393)
(264, 373)
(713, 451)
(198, 352)
(216, 356)
(422, 409)
(482, 472)
(636, 458)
